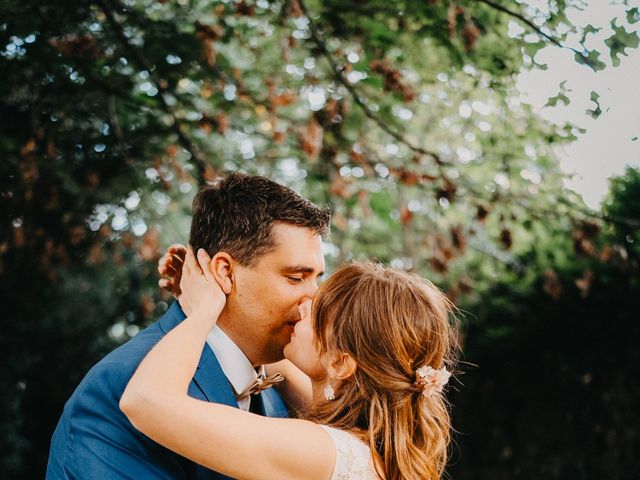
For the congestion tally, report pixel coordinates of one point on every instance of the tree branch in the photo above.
(338, 73)
(117, 131)
(528, 22)
(185, 141)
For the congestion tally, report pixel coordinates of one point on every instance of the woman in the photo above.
(376, 347)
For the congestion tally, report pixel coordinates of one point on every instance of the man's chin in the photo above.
(275, 355)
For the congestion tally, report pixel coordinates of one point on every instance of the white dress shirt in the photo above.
(235, 364)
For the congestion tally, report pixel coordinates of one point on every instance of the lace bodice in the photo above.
(353, 457)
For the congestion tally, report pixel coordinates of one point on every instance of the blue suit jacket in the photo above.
(95, 440)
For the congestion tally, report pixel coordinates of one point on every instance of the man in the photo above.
(269, 241)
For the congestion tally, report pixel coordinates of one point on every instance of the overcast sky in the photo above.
(608, 145)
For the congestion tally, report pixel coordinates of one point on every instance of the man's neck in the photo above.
(230, 328)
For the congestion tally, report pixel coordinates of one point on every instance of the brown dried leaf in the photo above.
(19, 239)
(406, 215)
(105, 231)
(311, 139)
(340, 221)
(83, 46)
(295, 9)
(283, 99)
(222, 123)
(470, 35)
(149, 249)
(210, 53)
(606, 254)
(506, 239)
(146, 306)
(482, 213)
(408, 177)
(458, 238)
(209, 174)
(582, 246)
(96, 255)
(584, 283)
(590, 229)
(437, 264)
(128, 240)
(172, 150)
(447, 191)
(76, 235)
(363, 200)
(209, 32)
(392, 79)
(28, 148)
(454, 14)
(243, 8)
(551, 284)
(340, 188)
(278, 136)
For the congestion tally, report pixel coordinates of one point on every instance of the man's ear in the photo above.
(342, 366)
(222, 266)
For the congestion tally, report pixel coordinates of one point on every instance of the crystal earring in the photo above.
(329, 394)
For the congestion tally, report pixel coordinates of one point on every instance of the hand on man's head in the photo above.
(170, 269)
(200, 289)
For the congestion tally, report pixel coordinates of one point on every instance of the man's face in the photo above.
(262, 308)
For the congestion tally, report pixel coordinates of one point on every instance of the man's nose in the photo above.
(311, 290)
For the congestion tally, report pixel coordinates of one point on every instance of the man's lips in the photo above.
(292, 325)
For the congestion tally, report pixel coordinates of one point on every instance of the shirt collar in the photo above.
(234, 363)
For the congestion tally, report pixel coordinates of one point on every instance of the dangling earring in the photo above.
(329, 394)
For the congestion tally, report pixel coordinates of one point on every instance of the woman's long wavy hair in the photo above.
(392, 323)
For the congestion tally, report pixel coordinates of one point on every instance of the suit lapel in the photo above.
(273, 404)
(209, 377)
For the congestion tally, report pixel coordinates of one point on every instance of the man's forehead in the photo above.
(297, 248)
(298, 259)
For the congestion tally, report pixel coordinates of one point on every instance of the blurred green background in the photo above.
(401, 116)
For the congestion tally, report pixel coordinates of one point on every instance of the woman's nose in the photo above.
(305, 309)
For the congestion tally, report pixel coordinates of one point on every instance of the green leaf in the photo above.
(588, 30)
(561, 97)
(591, 59)
(620, 41)
(596, 112)
(633, 15)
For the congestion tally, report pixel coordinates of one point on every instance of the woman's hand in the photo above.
(201, 293)
(170, 268)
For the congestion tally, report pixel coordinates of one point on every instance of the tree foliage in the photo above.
(401, 116)
(559, 348)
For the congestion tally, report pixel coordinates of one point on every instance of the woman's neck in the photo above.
(317, 389)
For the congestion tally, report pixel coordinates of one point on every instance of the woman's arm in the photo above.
(296, 388)
(228, 440)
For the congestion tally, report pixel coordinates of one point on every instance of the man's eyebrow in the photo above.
(300, 269)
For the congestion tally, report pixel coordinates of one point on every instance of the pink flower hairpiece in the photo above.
(430, 380)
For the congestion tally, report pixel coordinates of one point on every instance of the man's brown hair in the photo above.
(237, 213)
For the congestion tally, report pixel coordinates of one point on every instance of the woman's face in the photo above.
(302, 350)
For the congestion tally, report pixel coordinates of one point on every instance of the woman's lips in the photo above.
(292, 326)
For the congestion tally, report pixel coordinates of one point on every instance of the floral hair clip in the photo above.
(430, 380)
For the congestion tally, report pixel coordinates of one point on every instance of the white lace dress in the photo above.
(353, 457)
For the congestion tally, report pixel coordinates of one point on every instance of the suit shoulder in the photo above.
(114, 370)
